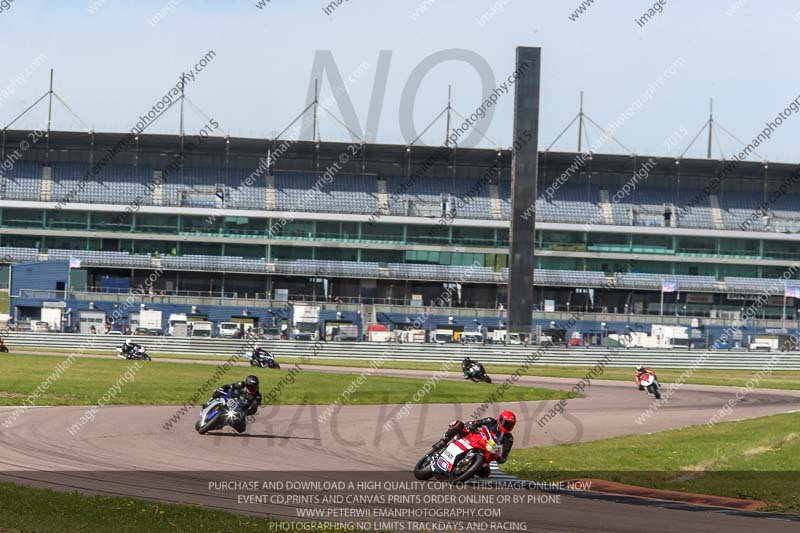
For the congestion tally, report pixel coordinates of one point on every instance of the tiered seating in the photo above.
(646, 206)
(213, 263)
(326, 268)
(310, 192)
(757, 285)
(443, 272)
(474, 274)
(114, 184)
(571, 204)
(743, 210)
(22, 182)
(241, 196)
(194, 187)
(98, 258)
(17, 255)
(569, 278)
(425, 196)
(639, 280)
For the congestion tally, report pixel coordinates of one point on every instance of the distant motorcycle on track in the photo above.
(137, 354)
(474, 371)
(262, 361)
(649, 382)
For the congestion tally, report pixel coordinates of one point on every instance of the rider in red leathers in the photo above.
(500, 428)
(641, 371)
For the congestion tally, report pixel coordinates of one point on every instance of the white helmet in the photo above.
(639, 368)
(257, 347)
(128, 342)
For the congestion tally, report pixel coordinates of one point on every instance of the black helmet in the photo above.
(251, 384)
(466, 361)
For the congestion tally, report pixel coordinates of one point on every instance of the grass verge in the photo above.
(86, 380)
(27, 509)
(751, 459)
(781, 379)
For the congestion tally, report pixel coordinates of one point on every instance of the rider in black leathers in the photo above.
(247, 394)
(466, 363)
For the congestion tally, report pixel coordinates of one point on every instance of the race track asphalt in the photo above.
(127, 450)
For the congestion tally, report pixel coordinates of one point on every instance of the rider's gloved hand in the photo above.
(470, 426)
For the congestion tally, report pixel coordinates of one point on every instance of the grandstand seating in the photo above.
(424, 196)
(474, 274)
(112, 184)
(295, 191)
(22, 182)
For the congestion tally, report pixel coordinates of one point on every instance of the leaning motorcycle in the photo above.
(218, 413)
(476, 373)
(262, 361)
(138, 354)
(650, 384)
(461, 459)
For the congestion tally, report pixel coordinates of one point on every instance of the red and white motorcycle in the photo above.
(649, 382)
(461, 459)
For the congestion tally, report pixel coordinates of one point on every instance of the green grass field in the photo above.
(751, 459)
(86, 380)
(27, 509)
(788, 380)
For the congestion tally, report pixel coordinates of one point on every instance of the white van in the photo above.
(229, 330)
(471, 337)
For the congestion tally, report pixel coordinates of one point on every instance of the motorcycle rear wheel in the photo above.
(423, 470)
(477, 463)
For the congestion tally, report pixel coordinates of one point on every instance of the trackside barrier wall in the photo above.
(365, 351)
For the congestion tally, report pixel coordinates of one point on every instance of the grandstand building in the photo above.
(390, 225)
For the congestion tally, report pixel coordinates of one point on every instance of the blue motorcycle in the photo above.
(263, 361)
(218, 413)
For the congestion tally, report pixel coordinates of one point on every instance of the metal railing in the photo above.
(410, 352)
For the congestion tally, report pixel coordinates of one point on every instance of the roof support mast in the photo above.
(449, 112)
(580, 124)
(710, 126)
(49, 119)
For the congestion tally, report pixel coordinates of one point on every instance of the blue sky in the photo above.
(113, 64)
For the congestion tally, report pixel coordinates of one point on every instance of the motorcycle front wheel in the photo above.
(423, 470)
(487, 379)
(467, 468)
(652, 389)
(208, 426)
